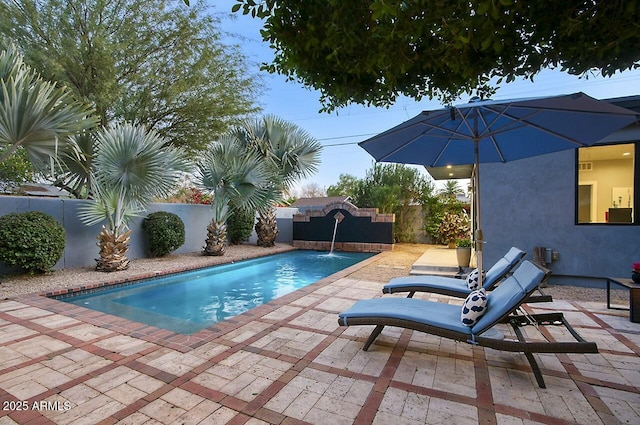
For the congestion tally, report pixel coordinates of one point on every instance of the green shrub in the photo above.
(240, 225)
(33, 241)
(164, 232)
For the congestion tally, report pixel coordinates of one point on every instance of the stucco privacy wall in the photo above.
(284, 218)
(81, 249)
(361, 229)
(531, 202)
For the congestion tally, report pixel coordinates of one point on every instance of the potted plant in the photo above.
(463, 252)
(635, 272)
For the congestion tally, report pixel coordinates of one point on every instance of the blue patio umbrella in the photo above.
(498, 131)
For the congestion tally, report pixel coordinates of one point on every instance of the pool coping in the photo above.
(166, 338)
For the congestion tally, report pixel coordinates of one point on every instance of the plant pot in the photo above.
(635, 276)
(464, 256)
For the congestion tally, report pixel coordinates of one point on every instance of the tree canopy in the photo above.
(392, 188)
(155, 63)
(370, 52)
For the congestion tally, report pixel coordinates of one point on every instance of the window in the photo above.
(606, 183)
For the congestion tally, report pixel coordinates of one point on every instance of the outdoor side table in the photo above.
(634, 296)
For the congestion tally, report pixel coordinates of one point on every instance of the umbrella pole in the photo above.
(479, 238)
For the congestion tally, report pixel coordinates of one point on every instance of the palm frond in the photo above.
(233, 175)
(289, 152)
(34, 113)
(131, 168)
(77, 164)
(10, 62)
(112, 205)
(139, 161)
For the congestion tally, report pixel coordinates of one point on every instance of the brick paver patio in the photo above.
(289, 362)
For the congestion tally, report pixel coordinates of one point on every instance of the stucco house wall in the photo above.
(531, 202)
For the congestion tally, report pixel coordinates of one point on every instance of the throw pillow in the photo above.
(474, 307)
(473, 279)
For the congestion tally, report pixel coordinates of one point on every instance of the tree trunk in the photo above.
(216, 239)
(267, 229)
(113, 250)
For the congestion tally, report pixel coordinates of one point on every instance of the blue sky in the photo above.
(340, 131)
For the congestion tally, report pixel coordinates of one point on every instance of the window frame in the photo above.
(636, 185)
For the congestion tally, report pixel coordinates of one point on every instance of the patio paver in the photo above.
(290, 363)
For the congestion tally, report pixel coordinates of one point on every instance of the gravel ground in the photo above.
(11, 286)
(388, 266)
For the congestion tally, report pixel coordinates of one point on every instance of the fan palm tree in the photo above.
(451, 189)
(289, 153)
(35, 114)
(235, 178)
(131, 168)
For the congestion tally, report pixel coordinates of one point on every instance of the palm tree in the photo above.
(35, 114)
(235, 178)
(131, 168)
(289, 153)
(451, 189)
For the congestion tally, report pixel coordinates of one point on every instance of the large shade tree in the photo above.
(370, 52)
(393, 189)
(236, 179)
(131, 168)
(288, 152)
(396, 188)
(155, 63)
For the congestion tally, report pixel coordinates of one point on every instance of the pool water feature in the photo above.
(188, 302)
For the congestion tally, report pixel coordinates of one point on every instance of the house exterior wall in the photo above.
(80, 245)
(531, 202)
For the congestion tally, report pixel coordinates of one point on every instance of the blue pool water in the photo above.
(188, 302)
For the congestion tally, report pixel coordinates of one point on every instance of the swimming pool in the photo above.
(191, 301)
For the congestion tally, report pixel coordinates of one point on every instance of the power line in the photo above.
(345, 137)
(340, 144)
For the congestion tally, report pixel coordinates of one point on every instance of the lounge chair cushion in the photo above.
(500, 302)
(474, 307)
(438, 314)
(439, 284)
(508, 295)
(473, 281)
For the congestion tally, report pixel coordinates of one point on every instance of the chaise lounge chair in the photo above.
(452, 286)
(444, 319)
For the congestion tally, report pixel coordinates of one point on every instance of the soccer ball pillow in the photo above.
(474, 307)
(473, 281)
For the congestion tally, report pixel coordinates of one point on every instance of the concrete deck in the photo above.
(437, 260)
(288, 362)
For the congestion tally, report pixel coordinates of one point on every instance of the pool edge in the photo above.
(179, 341)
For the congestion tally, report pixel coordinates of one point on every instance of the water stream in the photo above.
(333, 239)
(339, 217)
